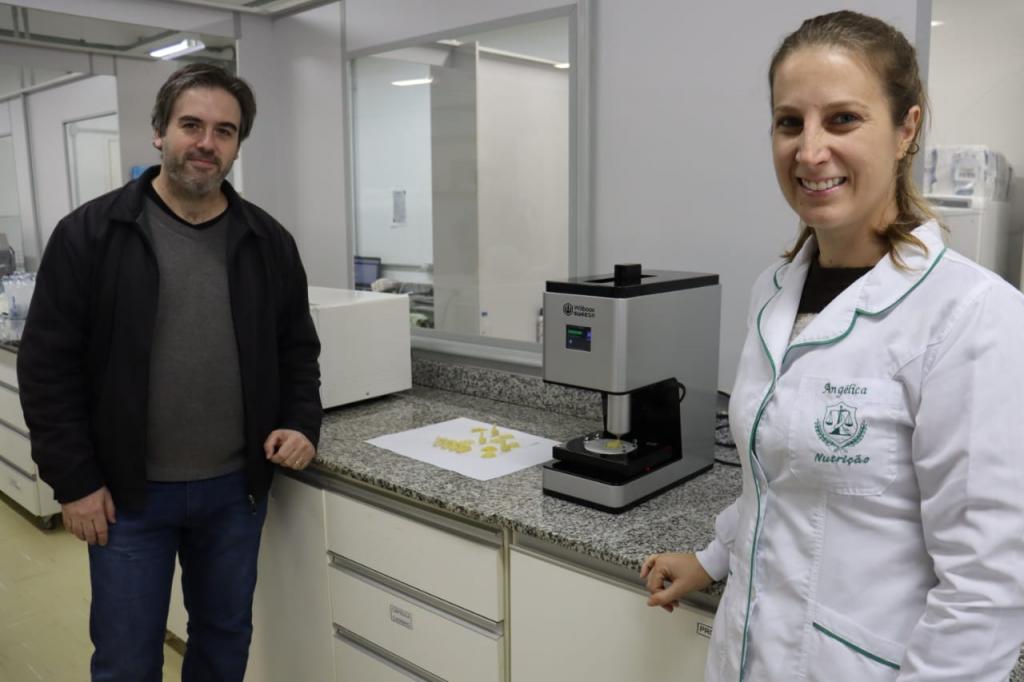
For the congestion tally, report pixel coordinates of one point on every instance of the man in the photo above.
(168, 363)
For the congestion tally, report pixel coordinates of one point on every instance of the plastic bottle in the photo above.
(540, 326)
(485, 324)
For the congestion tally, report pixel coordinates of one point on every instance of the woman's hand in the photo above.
(684, 573)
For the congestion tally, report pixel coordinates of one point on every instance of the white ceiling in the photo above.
(270, 7)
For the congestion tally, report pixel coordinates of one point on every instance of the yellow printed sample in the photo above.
(488, 447)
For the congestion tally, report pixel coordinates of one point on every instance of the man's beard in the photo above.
(193, 185)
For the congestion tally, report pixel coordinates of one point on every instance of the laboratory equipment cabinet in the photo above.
(19, 477)
(291, 612)
(357, 584)
(577, 624)
(413, 592)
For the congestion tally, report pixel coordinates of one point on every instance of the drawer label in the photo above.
(401, 617)
(704, 630)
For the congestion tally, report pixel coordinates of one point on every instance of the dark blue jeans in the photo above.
(215, 530)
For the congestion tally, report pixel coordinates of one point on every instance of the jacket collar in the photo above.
(882, 288)
(129, 202)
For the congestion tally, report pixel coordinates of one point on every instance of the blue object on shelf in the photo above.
(137, 171)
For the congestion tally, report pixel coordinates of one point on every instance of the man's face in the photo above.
(201, 141)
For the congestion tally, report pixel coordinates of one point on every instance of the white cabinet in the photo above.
(413, 593)
(357, 585)
(574, 625)
(360, 662)
(291, 637)
(19, 477)
(460, 565)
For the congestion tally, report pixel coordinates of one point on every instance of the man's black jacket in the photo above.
(83, 361)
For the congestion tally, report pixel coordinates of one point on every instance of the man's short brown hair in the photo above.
(201, 75)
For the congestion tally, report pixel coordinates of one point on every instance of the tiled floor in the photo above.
(44, 604)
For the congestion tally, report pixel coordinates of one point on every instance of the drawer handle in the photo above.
(383, 656)
(27, 474)
(18, 430)
(423, 600)
(401, 617)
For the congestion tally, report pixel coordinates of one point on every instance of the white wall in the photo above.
(976, 82)
(14, 78)
(294, 163)
(52, 61)
(48, 110)
(8, 176)
(137, 84)
(683, 175)
(523, 113)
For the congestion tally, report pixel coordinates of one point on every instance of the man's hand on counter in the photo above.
(682, 571)
(289, 449)
(87, 518)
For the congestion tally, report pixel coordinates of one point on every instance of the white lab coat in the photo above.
(880, 531)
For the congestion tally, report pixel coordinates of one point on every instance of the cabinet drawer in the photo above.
(10, 408)
(414, 631)
(8, 368)
(355, 659)
(15, 450)
(20, 488)
(463, 570)
(604, 630)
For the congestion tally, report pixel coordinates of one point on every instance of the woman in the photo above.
(878, 407)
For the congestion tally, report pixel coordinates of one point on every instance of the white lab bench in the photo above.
(19, 476)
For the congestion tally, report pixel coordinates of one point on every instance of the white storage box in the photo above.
(365, 350)
(966, 171)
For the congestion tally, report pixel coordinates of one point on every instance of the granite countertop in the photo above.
(681, 519)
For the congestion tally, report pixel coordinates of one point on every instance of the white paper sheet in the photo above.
(422, 444)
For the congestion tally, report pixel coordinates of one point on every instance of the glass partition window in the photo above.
(11, 254)
(461, 167)
(94, 157)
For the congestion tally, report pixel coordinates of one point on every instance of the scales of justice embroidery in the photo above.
(839, 427)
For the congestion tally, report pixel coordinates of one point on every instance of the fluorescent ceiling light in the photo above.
(186, 46)
(561, 65)
(937, 23)
(413, 81)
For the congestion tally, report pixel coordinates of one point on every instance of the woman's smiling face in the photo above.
(834, 143)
